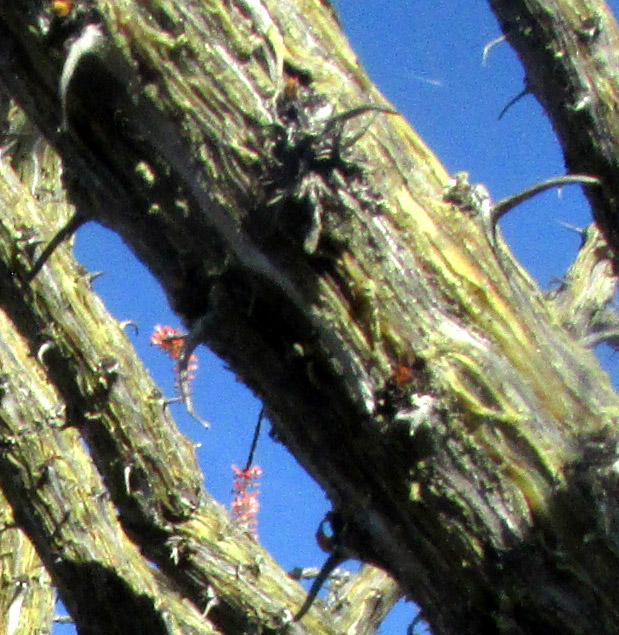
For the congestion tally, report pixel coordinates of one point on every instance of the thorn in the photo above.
(581, 231)
(211, 600)
(356, 112)
(349, 143)
(46, 346)
(125, 323)
(416, 620)
(254, 442)
(333, 561)
(63, 619)
(303, 573)
(166, 401)
(600, 337)
(127, 477)
(327, 542)
(91, 276)
(333, 126)
(71, 226)
(511, 102)
(489, 47)
(89, 41)
(109, 365)
(175, 549)
(505, 205)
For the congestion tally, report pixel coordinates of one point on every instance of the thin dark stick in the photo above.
(72, 225)
(333, 561)
(511, 102)
(254, 443)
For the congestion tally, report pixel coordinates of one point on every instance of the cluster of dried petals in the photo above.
(172, 340)
(245, 505)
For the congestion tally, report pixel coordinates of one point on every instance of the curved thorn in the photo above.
(332, 562)
(71, 226)
(127, 477)
(89, 41)
(125, 323)
(511, 102)
(357, 112)
(43, 349)
(489, 47)
(600, 337)
(505, 205)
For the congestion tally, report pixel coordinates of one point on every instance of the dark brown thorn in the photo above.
(511, 102)
(332, 562)
(71, 226)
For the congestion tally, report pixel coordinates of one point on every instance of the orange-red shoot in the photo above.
(245, 505)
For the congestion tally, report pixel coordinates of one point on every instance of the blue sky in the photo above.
(426, 56)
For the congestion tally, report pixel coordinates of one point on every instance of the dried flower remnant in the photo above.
(245, 505)
(172, 340)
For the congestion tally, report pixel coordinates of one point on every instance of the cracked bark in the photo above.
(462, 432)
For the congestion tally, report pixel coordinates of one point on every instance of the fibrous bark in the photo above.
(464, 434)
(570, 51)
(26, 592)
